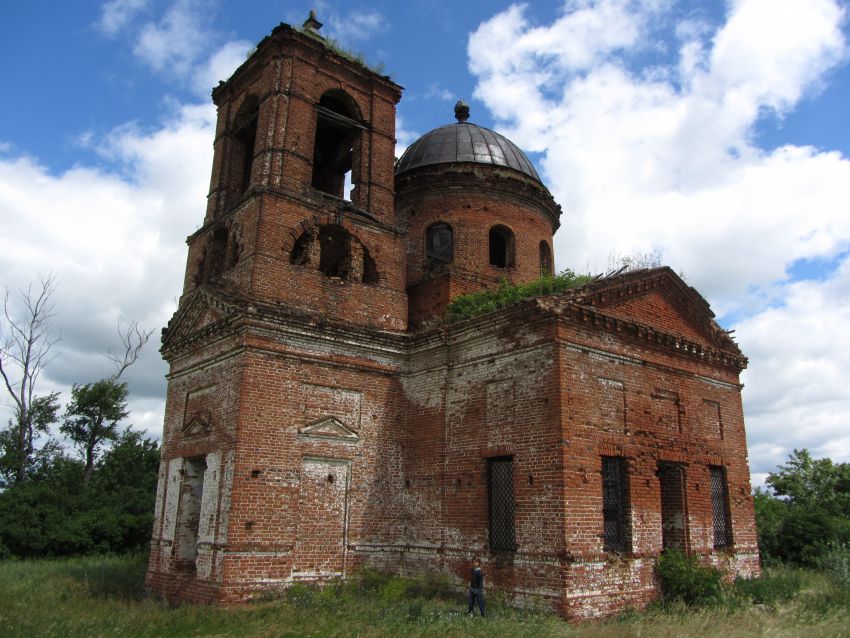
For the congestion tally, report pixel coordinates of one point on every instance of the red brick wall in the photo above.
(472, 198)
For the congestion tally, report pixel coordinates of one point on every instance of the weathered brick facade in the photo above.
(319, 418)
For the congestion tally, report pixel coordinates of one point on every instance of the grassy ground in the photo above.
(104, 597)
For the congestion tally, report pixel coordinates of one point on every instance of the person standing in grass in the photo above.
(476, 586)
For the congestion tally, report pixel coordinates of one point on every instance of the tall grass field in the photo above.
(105, 597)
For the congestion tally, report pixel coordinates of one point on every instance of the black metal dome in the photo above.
(464, 142)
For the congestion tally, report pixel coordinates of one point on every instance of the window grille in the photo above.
(720, 508)
(500, 488)
(614, 503)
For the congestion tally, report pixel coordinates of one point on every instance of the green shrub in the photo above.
(776, 586)
(301, 595)
(480, 303)
(393, 591)
(835, 561)
(683, 579)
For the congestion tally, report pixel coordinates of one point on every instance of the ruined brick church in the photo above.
(322, 417)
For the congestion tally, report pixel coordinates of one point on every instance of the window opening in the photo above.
(335, 259)
(673, 506)
(218, 252)
(502, 507)
(545, 259)
(720, 507)
(501, 247)
(300, 255)
(439, 245)
(370, 269)
(614, 503)
(191, 493)
(244, 139)
(336, 145)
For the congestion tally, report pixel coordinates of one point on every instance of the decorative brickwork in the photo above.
(319, 417)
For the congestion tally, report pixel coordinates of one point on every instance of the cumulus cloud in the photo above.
(796, 393)
(404, 136)
(115, 239)
(221, 65)
(653, 149)
(176, 40)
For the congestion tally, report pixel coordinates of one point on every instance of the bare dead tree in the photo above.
(25, 350)
(133, 339)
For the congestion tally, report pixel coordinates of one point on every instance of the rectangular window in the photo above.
(674, 519)
(189, 518)
(614, 504)
(500, 492)
(720, 507)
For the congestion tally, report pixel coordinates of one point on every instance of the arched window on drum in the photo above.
(545, 259)
(439, 245)
(501, 247)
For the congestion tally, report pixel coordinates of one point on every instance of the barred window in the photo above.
(500, 492)
(720, 507)
(674, 519)
(614, 504)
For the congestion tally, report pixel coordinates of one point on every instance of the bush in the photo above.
(480, 303)
(776, 586)
(835, 561)
(683, 579)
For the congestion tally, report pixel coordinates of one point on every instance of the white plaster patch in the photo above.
(425, 391)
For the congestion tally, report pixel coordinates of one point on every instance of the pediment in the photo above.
(656, 310)
(329, 428)
(201, 311)
(198, 425)
(660, 299)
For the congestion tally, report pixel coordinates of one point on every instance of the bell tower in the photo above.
(300, 210)
(285, 348)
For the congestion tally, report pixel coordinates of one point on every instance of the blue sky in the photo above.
(711, 133)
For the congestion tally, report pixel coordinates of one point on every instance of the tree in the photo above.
(813, 483)
(92, 417)
(25, 350)
(19, 457)
(806, 511)
(58, 516)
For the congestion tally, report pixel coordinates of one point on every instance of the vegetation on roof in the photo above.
(345, 52)
(480, 303)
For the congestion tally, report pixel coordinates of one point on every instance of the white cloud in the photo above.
(439, 92)
(221, 65)
(177, 40)
(648, 156)
(117, 14)
(404, 136)
(357, 26)
(116, 241)
(796, 394)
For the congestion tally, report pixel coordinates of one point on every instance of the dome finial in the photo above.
(312, 24)
(461, 111)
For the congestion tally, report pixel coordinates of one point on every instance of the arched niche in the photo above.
(336, 253)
